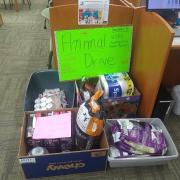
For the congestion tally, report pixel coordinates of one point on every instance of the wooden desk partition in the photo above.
(66, 2)
(63, 2)
(152, 40)
(66, 17)
(135, 3)
(152, 43)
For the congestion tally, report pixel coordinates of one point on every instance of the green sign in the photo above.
(92, 52)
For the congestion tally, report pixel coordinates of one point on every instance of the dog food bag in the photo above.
(89, 123)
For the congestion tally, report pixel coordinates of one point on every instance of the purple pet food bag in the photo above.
(132, 137)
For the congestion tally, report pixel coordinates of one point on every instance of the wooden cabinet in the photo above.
(172, 70)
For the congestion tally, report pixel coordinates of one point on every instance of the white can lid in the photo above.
(37, 106)
(49, 106)
(37, 100)
(48, 100)
(43, 104)
(43, 99)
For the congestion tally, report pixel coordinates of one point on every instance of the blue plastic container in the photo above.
(47, 79)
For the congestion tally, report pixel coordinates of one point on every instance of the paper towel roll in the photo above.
(116, 85)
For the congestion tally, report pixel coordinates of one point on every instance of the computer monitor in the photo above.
(160, 5)
(168, 9)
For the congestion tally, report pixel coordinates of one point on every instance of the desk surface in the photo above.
(176, 43)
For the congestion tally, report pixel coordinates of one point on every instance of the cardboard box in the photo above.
(122, 107)
(61, 163)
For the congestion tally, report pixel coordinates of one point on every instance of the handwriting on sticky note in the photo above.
(91, 52)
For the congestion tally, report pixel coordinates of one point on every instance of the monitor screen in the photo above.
(163, 4)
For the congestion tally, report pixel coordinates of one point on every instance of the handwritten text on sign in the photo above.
(92, 52)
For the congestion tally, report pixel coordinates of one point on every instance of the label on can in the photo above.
(115, 89)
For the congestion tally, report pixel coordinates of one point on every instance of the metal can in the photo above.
(37, 151)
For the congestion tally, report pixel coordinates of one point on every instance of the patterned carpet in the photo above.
(24, 47)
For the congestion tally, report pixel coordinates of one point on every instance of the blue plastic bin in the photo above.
(47, 79)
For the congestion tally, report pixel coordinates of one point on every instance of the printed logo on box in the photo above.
(27, 160)
(67, 166)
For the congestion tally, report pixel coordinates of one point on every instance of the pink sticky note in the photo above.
(51, 127)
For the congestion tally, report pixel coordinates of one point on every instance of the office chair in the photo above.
(50, 54)
(1, 20)
(28, 1)
(50, 60)
(10, 3)
(45, 20)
